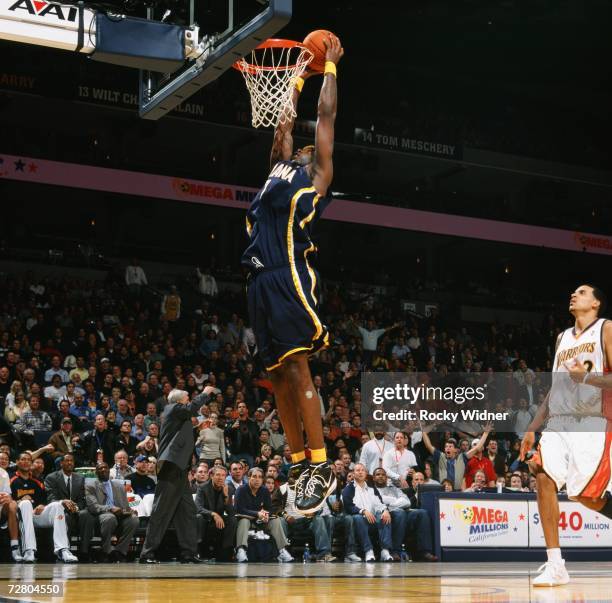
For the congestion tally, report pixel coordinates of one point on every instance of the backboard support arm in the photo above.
(217, 54)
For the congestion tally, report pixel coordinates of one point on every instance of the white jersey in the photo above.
(566, 396)
(5, 482)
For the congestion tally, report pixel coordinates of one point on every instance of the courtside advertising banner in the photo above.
(578, 527)
(487, 523)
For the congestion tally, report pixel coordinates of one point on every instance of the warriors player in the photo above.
(282, 286)
(575, 447)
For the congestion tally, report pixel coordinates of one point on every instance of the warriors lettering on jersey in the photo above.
(570, 353)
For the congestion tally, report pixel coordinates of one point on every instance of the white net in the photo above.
(270, 75)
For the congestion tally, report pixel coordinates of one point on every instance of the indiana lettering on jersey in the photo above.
(565, 355)
(284, 172)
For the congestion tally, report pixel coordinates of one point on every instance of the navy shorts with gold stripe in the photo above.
(283, 303)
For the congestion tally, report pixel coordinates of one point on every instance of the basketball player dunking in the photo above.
(282, 287)
(575, 446)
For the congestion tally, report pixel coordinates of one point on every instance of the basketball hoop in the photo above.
(270, 73)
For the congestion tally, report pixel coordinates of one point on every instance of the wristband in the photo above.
(330, 67)
(585, 377)
(299, 83)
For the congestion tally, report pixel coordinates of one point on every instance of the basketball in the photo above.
(314, 42)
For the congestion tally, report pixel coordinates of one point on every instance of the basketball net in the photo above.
(270, 74)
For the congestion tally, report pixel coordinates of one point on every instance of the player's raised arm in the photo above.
(323, 170)
(282, 145)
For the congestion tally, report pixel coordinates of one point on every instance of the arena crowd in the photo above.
(85, 373)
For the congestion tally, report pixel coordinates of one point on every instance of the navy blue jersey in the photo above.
(281, 218)
(282, 290)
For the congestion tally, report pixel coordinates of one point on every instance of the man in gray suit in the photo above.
(173, 500)
(68, 487)
(107, 501)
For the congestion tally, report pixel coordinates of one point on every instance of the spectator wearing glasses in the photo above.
(121, 469)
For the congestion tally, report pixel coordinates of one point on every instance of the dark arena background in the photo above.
(472, 196)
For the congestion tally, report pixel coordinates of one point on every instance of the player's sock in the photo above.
(318, 456)
(297, 457)
(607, 508)
(554, 555)
(14, 543)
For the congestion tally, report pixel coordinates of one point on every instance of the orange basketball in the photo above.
(314, 42)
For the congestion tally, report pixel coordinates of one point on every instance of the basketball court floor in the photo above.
(296, 583)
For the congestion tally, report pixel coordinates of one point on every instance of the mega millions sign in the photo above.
(487, 523)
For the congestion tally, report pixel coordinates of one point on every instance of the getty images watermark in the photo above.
(464, 402)
(405, 394)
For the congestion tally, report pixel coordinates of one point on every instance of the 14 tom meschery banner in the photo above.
(27, 169)
(405, 143)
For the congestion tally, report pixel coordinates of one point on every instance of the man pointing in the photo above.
(173, 499)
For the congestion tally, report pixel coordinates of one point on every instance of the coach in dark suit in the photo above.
(216, 518)
(68, 487)
(173, 500)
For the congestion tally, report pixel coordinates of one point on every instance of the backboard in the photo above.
(222, 32)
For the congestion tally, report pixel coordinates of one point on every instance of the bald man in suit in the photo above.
(173, 500)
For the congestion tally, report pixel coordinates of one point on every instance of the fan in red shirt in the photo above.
(479, 462)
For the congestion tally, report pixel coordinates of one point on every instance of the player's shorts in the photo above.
(577, 453)
(283, 310)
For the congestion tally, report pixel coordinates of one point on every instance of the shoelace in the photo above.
(315, 479)
(299, 486)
